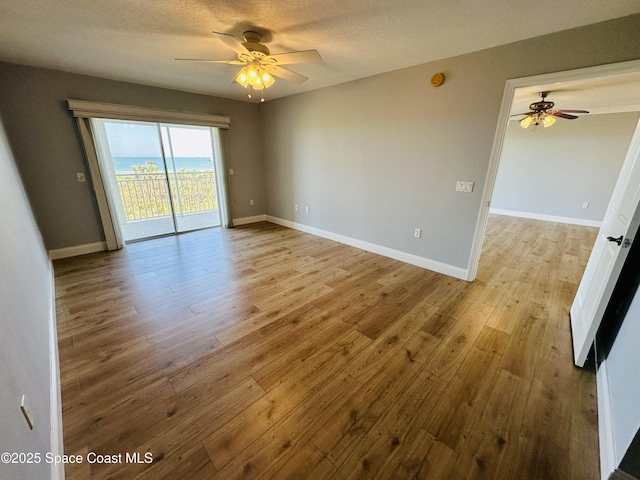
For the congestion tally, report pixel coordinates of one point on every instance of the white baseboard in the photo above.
(605, 423)
(247, 220)
(77, 250)
(55, 394)
(409, 258)
(547, 218)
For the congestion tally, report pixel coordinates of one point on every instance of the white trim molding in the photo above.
(114, 111)
(405, 257)
(444, 268)
(547, 218)
(77, 250)
(605, 423)
(55, 394)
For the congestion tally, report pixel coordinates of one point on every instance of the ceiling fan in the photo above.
(258, 65)
(542, 112)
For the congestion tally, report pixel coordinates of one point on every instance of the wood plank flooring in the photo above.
(261, 352)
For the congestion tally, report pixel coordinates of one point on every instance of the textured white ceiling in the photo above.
(137, 41)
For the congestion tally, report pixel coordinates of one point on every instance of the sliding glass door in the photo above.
(160, 178)
(192, 177)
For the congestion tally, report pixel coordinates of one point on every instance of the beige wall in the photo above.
(553, 171)
(48, 152)
(377, 158)
(26, 314)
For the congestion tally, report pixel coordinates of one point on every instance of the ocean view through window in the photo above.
(160, 178)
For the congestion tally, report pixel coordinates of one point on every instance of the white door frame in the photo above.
(599, 71)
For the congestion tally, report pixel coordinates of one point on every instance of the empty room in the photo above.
(319, 240)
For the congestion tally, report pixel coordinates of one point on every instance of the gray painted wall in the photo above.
(48, 151)
(376, 158)
(553, 171)
(26, 304)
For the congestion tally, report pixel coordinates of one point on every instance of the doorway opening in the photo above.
(616, 86)
(574, 80)
(160, 178)
(583, 340)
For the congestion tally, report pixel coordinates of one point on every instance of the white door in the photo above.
(609, 253)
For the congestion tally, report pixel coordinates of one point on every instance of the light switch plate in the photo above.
(462, 186)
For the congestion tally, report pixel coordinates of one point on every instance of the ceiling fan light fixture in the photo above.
(267, 79)
(258, 66)
(525, 122)
(254, 76)
(543, 113)
(243, 77)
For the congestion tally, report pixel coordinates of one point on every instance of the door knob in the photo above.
(617, 240)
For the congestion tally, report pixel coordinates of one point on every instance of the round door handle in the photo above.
(617, 240)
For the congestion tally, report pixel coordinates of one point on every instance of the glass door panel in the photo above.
(160, 178)
(189, 159)
(131, 154)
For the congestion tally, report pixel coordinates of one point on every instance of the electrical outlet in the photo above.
(295, 207)
(251, 202)
(417, 233)
(307, 209)
(81, 177)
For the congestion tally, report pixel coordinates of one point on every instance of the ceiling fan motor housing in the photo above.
(252, 43)
(543, 104)
(538, 106)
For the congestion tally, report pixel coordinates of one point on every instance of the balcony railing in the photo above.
(145, 195)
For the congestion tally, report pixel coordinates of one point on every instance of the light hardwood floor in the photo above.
(262, 352)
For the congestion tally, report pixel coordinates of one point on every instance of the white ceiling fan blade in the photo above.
(229, 62)
(306, 56)
(232, 42)
(289, 75)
